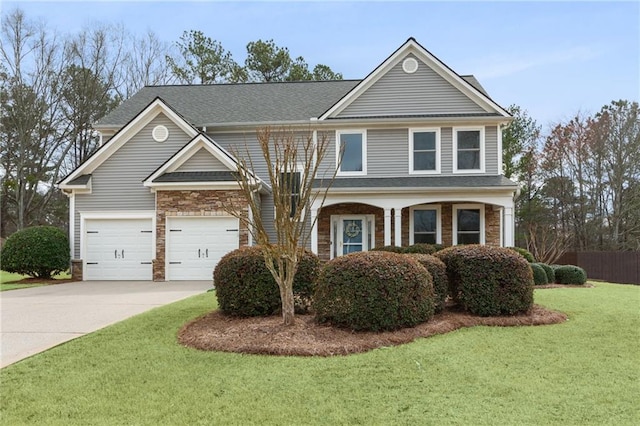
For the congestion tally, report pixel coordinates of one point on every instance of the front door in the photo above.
(351, 234)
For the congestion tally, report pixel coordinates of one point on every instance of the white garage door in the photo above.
(196, 244)
(118, 249)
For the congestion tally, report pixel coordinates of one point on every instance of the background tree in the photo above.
(267, 62)
(200, 60)
(145, 64)
(293, 163)
(32, 135)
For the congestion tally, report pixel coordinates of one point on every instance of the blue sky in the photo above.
(554, 59)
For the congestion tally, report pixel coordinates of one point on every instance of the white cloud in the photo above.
(501, 66)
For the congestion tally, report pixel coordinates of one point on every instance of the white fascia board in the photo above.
(127, 132)
(411, 46)
(186, 186)
(187, 152)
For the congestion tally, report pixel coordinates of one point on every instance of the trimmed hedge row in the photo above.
(245, 287)
(488, 280)
(539, 274)
(438, 271)
(415, 248)
(374, 291)
(524, 253)
(570, 274)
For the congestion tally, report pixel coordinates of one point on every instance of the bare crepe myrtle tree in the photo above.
(293, 164)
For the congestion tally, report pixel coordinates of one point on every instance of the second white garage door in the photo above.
(196, 244)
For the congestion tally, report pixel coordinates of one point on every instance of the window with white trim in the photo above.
(351, 152)
(468, 224)
(424, 150)
(425, 225)
(468, 145)
(290, 184)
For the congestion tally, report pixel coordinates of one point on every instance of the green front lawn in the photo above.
(584, 371)
(8, 280)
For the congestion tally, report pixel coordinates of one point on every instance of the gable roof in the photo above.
(243, 103)
(134, 125)
(467, 86)
(168, 173)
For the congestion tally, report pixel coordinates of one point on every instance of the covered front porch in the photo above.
(351, 221)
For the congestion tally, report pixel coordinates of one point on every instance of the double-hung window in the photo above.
(290, 184)
(468, 144)
(468, 224)
(424, 151)
(425, 225)
(351, 152)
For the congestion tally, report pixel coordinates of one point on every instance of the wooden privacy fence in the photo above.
(612, 266)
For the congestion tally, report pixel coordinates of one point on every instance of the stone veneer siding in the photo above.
(193, 203)
(77, 273)
(491, 224)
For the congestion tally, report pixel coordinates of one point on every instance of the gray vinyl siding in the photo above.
(202, 161)
(491, 150)
(399, 93)
(446, 146)
(117, 183)
(387, 152)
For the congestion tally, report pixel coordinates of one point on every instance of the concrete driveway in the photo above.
(35, 319)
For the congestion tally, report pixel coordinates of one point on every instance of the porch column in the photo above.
(314, 230)
(509, 227)
(387, 226)
(398, 226)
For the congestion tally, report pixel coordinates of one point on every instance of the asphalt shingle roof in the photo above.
(420, 182)
(203, 105)
(223, 176)
(219, 104)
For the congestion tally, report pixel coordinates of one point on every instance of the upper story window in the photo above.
(290, 184)
(352, 146)
(468, 145)
(424, 151)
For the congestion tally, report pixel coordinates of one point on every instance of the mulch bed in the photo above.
(42, 281)
(268, 336)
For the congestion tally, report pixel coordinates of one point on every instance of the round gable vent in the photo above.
(410, 65)
(160, 133)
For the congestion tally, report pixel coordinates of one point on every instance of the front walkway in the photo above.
(35, 319)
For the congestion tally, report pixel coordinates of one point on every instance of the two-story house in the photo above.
(421, 163)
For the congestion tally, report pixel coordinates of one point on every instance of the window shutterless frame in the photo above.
(459, 148)
(420, 149)
(413, 225)
(354, 153)
(460, 230)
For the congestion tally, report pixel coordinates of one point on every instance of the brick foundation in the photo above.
(76, 270)
(193, 203)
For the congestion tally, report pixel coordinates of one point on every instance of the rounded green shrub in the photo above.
(245, 287)
(420, 249)
(539, 274)
(551, 275)
(391, 249)
(373, 291)
(39, 251)
(488, 280)
(570, 274)
(524, 253)
(438, 271)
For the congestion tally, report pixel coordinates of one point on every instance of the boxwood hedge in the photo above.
(374, 291)
(488, 280)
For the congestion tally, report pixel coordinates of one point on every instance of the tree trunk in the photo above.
(288, 306)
